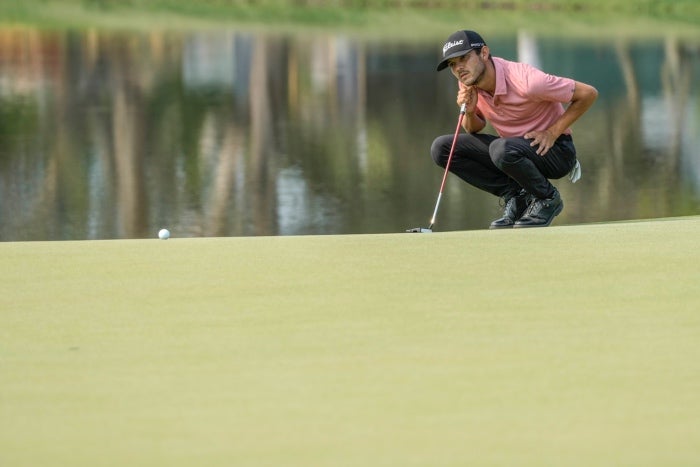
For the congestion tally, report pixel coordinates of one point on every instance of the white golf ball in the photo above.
(164, 234)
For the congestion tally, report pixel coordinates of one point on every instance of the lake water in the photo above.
(230, 133)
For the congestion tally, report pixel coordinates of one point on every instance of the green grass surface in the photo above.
(576, 346)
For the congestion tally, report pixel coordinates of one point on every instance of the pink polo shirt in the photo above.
(525, 99)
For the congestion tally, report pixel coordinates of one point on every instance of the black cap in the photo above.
(458, 44)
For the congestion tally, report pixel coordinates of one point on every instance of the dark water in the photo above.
(107, 135)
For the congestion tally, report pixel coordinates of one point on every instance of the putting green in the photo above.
(561, 346)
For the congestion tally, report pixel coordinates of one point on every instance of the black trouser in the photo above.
(502, 166)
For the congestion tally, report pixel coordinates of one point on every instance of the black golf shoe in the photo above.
(515, 208)
(541, 212)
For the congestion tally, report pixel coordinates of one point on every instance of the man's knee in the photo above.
(505, 152)
(440, 149)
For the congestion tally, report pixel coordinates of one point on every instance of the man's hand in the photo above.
(543, 139)
(467, 95)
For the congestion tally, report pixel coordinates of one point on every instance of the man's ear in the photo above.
(485, 52)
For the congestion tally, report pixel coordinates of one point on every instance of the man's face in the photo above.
(469, 68)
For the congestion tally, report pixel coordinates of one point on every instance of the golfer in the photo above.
(527, 109)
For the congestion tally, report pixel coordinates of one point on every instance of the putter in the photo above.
(462, 111)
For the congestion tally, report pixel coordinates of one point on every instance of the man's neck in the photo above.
(487, 82)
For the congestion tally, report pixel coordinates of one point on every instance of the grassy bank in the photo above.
(402, 18)
(560, 346)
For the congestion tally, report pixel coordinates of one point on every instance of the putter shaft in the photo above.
(462, 111)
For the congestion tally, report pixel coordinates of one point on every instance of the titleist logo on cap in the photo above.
(449, 45)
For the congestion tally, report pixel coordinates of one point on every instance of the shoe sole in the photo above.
(560, 208)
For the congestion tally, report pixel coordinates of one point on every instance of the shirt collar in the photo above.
(500, 70)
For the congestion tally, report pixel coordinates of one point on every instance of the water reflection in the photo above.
(106, 135)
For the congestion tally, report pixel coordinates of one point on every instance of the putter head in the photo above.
(419, 230)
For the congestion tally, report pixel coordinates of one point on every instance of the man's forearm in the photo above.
(472, 123)
(583, 99)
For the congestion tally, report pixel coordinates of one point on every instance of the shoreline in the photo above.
(406, 23)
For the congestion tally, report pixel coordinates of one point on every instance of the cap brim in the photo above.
(443, 64)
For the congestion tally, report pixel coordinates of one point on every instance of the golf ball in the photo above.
(164, 234)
